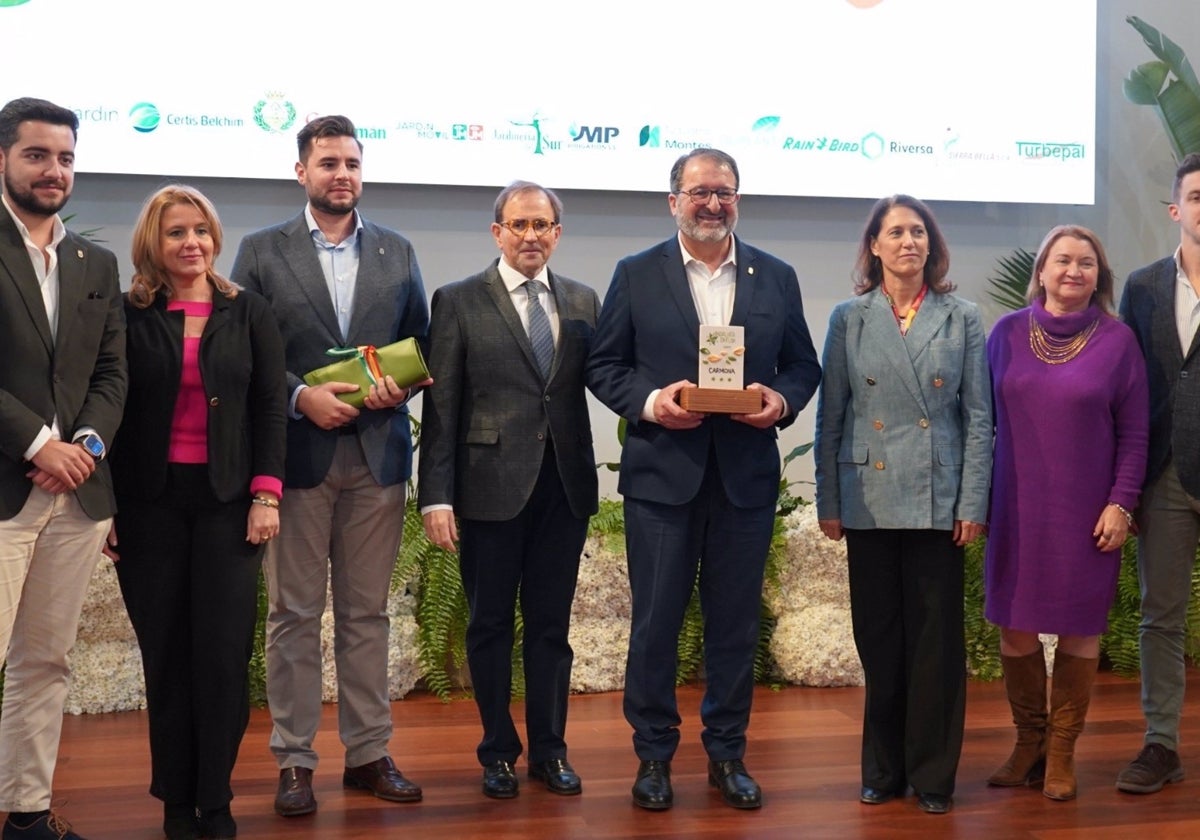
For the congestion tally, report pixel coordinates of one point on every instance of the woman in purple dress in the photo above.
(1071, 404)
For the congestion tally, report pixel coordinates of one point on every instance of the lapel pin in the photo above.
(381, 252)
(750, 270)
(79, 253)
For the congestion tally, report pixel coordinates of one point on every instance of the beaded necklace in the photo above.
(1056, 351)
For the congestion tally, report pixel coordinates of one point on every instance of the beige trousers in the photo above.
(48, 552)
(345, 531)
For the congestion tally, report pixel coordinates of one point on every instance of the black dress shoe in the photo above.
(294, 797)
(934, 803)
(558, 775)
(876, 796)
(180, 823)
(652, 788)
(500, 780)
(383, 779)
(737, 787)
(218, 824)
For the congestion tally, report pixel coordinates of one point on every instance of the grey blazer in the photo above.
(1148, 307)
(904, 424)
(280, 263)
(486, 417)
(79, 375)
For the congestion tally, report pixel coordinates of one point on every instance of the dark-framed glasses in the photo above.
(540, 226)
(701, 195)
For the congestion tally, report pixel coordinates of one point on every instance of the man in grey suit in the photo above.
(62, 388)
(1161, 303)
(506, 445)
(335, 280)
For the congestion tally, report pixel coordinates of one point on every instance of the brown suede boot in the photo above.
(1070, 694)
(1025, 683)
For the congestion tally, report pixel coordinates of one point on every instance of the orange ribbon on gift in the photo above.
(367, 357)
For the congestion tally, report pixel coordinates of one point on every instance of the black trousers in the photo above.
(906, 602)
(190, 583)
(537, 552)
(666, 545)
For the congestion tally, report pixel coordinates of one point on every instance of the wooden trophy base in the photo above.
(720, 400)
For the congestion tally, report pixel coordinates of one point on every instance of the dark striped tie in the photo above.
(540, 335)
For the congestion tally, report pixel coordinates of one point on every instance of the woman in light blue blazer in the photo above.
(904, 456)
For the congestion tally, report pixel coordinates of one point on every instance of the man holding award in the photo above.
(700, 488)
(506, 445)
(336, 281)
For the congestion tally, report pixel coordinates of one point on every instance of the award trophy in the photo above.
(722, 351)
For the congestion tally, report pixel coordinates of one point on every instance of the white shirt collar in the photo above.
(688, 256)
(59, 232)
(514, 279)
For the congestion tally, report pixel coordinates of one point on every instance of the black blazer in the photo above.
(79, 375)
(241, 365)
(1148, 307)
(486, 416)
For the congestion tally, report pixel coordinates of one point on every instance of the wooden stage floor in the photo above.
(804, 745)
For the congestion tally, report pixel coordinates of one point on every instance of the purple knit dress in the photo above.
(1069, 438)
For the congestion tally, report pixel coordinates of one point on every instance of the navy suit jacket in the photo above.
(486, 417)
(1148, 307)
(280, 263)
(78, 375)
(648, 336)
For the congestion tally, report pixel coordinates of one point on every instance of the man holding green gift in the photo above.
(335, 280)
(506, 445)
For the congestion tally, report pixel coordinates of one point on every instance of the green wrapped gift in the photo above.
(367, 364)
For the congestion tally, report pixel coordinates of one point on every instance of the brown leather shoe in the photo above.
(294, 798)
(383, 779)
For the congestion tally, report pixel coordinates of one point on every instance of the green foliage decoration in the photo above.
(1169, 86)
(258, 655)
(982, 637)
(1119, 646)
(441, 605)
(1007, 287)
(691, 640)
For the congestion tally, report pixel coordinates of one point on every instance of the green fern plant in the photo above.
(258, 656)
(981, 636)
(691, 640)
(441, 614)
(1120, 644)
(609, 520)
(766, 670)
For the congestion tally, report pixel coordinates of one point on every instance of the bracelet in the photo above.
(1128, 516)
(265, 502)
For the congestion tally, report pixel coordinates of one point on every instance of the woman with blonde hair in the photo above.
(1072, 417)
(197, 469)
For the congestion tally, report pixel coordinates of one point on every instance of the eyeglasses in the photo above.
(701, 195)
(540, 226)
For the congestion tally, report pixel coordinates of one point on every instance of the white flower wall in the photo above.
(812, 643)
